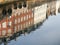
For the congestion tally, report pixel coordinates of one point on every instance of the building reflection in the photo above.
(52, 8)
(58, 4)
(16, 35)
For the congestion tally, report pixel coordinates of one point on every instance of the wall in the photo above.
(40, 13)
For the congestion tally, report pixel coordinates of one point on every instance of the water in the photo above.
(48, 33)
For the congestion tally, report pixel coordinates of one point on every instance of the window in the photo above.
(29, 22)
(9, 23)
(18, 12)
(26, 24)
(9, 11)
(4, 12)
(20, 5)
(15, 5)
(9, 30)
(4, 25)
(18, 20)
(32, 15)
(21, 19)
(3, 32)
(15, 21)
(27, 17)
(24, 4)
(15, 28)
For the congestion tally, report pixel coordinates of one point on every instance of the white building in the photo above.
(40, 13)
(57, 6)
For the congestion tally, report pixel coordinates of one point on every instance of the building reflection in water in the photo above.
(58, 5)
(27, 31)
(52, 9)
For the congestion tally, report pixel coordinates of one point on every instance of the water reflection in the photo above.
(40, 37)
(15, 36)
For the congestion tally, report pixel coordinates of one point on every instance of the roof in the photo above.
(4, 3)
(9, 1)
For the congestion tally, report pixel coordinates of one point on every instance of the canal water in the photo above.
(48, 33)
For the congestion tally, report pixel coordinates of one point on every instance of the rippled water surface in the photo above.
(47, 34)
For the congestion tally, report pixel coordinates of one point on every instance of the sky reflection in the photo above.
(48, 34)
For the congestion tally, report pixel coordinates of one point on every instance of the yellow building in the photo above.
(1, 1)
(6, 1)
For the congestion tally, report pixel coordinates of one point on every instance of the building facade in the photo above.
(40, 13)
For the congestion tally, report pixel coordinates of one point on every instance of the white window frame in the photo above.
(9, 31)
(10, 23)
(27, 17)
(15, 21)
(21, 19)
(29, 22)
(3, 32)
(4, 25)
(18, 20)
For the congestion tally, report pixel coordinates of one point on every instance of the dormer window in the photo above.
(10, 11)
(24, 4)
(4, 12)
(20, 5)
(15, 5)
